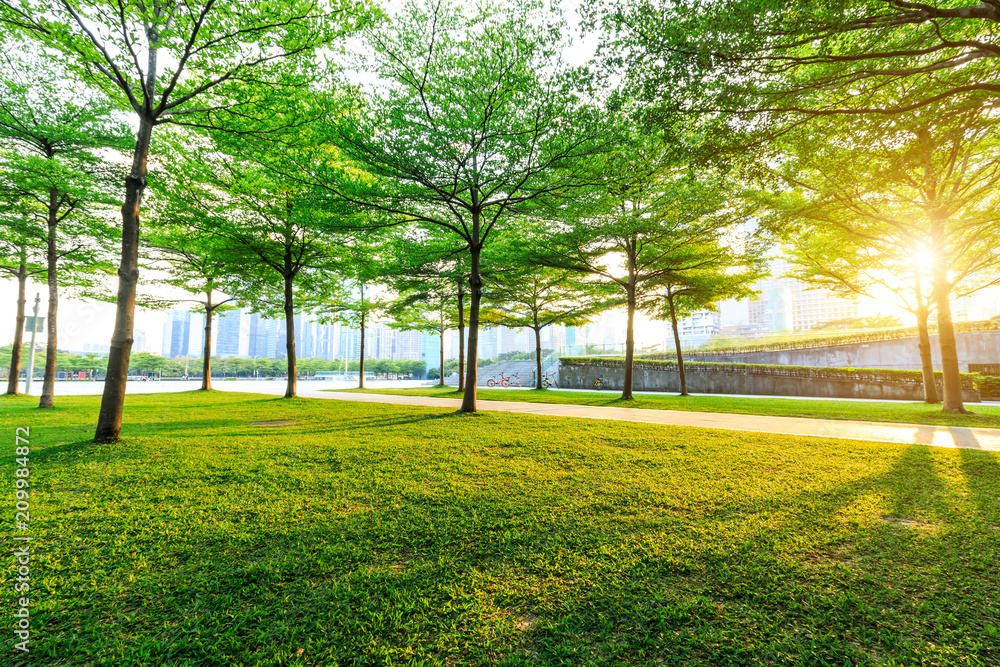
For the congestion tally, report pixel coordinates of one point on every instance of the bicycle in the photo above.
(548, 382)
(515, 380)
(602, 383)
(503, 381)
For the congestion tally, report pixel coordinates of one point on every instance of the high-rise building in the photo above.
(258, 335)
(553, 337)
(305, 336)
(515, 340)
(695, 330)
(430, 350)
(379, 341)
(325, 341)
(176, 334)
(408, 345)
(228, 334)
(454, 343)
(348, 342)
(488, 339)
(196, 341)
(786, 303)
(281, 340)
(138, 341)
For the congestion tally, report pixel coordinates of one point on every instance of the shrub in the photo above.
(989, 385)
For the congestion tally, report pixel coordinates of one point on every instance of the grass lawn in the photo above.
(396, 535)
(987, 416)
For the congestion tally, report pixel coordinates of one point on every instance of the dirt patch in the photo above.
(907, 523)
(526, 622)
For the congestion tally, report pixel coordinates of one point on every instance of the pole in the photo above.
(31, 354)
(347, 349)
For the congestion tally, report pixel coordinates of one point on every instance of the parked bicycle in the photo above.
(515, 380)
(602, 383)
(503, 381)
(548, 382)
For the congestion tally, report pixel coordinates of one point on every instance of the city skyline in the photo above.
(86, 325)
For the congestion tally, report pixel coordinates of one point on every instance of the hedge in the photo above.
(878, 375)
(989, 385)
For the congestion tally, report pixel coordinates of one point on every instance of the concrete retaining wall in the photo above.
(582, 376)
(976, 347)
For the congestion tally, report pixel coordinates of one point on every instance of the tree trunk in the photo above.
(926, 364)
(924, 345)
(290, 332)
(461, 339)
(15, 350)
(361, 354)
(441, 368)
(206, 350)
(949, 350)
(51, 259)
(109, 420)
(629, 347)
(538, 355)
(941, 288)
(476, 288)
(677, 344)
(630, 327)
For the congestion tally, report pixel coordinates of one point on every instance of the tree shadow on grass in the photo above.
(496, 577)
(376, 422)
(78, 449)
(982, 474)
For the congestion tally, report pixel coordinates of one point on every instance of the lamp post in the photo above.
(31, 354)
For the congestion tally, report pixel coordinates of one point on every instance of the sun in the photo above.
(923, 257)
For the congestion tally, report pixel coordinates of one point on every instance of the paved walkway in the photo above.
(937, 436)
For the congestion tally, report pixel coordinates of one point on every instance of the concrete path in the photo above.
(937, 436)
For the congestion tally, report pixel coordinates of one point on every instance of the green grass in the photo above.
(986, 416)
(396, 535)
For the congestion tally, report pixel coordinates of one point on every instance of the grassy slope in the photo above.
(987, 416)
(378, 535)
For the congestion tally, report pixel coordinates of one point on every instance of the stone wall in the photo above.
(583, 376)
(976, 347)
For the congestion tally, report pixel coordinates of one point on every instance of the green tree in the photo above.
(146, 361)
(701, 276)
(50, 169)
(198, 262)
(928, 189)
(354, 301)
(429, 283)
(20, 257)
(851, 265)
(652, 215)
(542, 297)
(208, 63)
(426, 306)
(782, 63)
(498, 123)
(277, 235)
